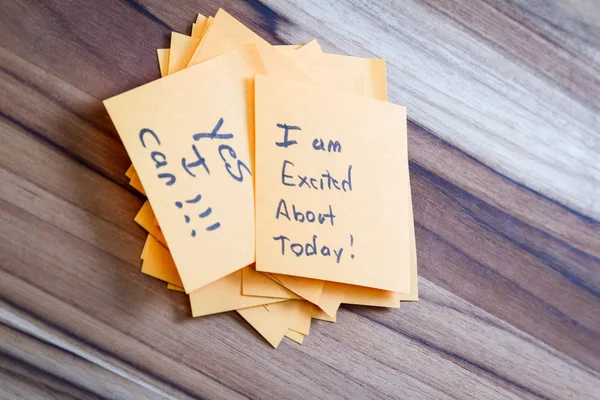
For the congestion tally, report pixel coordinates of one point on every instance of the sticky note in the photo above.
(371, 70)
(145, 218)
(225, 34)
(170, 286)
(332, 296)
(135, 183)
(295, 336)
(272, 323)
(158, 263)
(223, 295)
(201, 19)
(331, 178)
(301, 321)
(308, 50)
(312, 48)
(196, 168)
(343, 81)
(288, 47)
(338, 80)
(163, 60)
(129, 171)
(413, 294)
(205, 31)
(145, 248)
(256, 283)
(372, 297)
(182, 49)
(323, 316)
(199, 26)
(318, 141)
(308, 289)
(333, 79)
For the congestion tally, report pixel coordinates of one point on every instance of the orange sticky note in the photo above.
(145, 218)
(333, 79)
(222, 295)
(225, 295)
(207, 27)
(338, 80)
(295, 336)
(130, 171)
(181, 56)
(382, 298)
(331, 179)
(413, 295)
(256, 283)
(200, 19)
(272, 322)
(332, 297)
(301, 322)
(203, 35)
(323, 316)
(182, 49)
(196, 167)
(308, 289)
(199, 26)
(135, 183)
(310, 49)
(372, 297)
(225, 34)
(170, 286)
(371, 70)
(145, 248)
(163, 60)
(288, 47)
(158, 263)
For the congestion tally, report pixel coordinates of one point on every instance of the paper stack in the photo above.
(276, 177)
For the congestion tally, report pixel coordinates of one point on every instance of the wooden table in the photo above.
(504, 144)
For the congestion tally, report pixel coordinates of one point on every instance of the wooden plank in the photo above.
(94, 379)
(463, 246)
(61, 115)
(520, 38)
(69, 195)
(104, 36)
(572, 25)
(473, 176)
(22, 381)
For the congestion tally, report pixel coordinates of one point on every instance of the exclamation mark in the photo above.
(351, 244)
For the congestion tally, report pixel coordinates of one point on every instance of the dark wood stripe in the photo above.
(32, 381)
(59, 385)
(140, 8)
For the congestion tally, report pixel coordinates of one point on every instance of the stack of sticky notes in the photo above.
(276, 176)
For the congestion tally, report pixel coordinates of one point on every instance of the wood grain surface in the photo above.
(503, 99)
